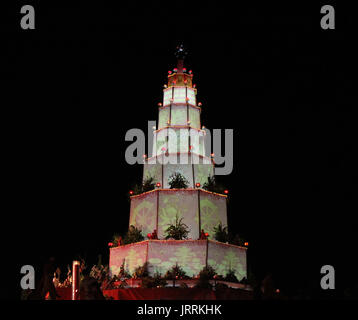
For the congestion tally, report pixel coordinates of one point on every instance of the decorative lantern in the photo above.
(158, 184)
(197, 184)
(226, 191)
(200, 104)
(131, 192)
(159, 104)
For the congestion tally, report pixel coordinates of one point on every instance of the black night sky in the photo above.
(90, 72)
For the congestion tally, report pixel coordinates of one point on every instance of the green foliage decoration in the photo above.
(221, 233)
(177, 231)
(147, 185)
(133, 235)
(176, 272)
(141, 271)
(178, 181)
(212, 185)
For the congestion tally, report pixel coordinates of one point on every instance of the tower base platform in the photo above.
(191, 255)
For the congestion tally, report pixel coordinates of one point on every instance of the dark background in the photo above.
(90, 72)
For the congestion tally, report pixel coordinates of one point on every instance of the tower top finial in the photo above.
(180, 52)
(179, 76)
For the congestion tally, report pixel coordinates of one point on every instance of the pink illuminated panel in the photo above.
(202, 172)
(194, 117)
(223, 257)
(163, 117)
(167, 95)
(190, 255)
(143, 212)
(179, 115)
(212, 212)
(179, 95)
(191, 96)
(184, 204)
(133, 255)
(153, 171)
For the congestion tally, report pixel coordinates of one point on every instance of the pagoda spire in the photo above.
(180, 54)
(180, 76)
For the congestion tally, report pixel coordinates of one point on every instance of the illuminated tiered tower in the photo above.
(179, 147)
